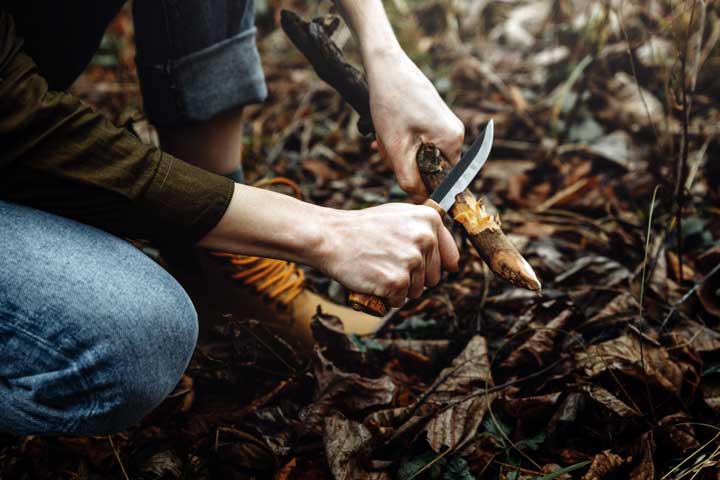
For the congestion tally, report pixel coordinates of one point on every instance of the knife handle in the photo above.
(372, 304)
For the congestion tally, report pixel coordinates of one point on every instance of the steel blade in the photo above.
(466, 170)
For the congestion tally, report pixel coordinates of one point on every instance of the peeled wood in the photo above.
(483, 230)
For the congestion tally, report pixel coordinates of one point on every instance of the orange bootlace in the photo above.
(277, 279)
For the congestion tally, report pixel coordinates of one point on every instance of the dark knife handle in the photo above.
(372, 304)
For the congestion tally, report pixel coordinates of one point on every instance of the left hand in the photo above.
(406, 112)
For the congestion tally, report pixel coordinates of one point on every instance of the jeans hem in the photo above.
(198, 86)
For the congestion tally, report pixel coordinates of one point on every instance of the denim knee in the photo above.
(113, 380)
(144, 364)
(93, 333)
(97, 369)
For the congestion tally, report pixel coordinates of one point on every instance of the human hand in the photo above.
(406, 112)
(392, 251)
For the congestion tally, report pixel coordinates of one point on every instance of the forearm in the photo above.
(268, 224)
(391, 250)
(369, 23)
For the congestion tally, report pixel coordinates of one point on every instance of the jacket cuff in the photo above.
(195, 198)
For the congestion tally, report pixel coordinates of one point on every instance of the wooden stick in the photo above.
(483, 230)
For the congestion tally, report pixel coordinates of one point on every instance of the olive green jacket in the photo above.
(57, 155)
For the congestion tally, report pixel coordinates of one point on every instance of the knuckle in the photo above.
(460, 131)
(426, 240)
(415, 261)
(429, 217)
(396, 302)
(396, 282)
(401, 282)
(456, 132)
(407, 184)
(429, 214)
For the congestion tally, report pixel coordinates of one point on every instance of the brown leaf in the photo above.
(697, 336)
(603, 465)
(287, 470)
(645, 469)
(616, 312)
(709, 292)
(595, 268)
(631, 104)
(422, 350)
(711, 393)
(534, 351)
(619, 147)
(347, 444)
(458, 423)
(468, 371)
(328, 331)
(453, 427)
(344, 392)
(245, 449)
(675, 434)
(320, 169)
(531, 407)
(275, 428)
(165, 464)
(624, 354)
(610, 401)
(554, 467)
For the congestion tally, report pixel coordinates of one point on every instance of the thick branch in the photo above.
(330, 64)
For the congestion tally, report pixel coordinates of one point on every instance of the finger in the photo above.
(397, 297)
(417, 282)
(432, 267)
(451, 141)
(401, 157)
(408, 177)
(397, 301)
(449, 254)
(374, 146)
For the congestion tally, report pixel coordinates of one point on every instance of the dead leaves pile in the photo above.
(613, 373)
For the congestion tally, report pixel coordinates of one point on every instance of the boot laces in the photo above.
(278, 280)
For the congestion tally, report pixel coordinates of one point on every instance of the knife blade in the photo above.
(465, 171)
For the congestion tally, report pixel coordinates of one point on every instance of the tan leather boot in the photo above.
(274, 292)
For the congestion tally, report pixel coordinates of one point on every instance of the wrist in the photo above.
(372, 30)
(318, 238)
(381, 53)
(387, 66)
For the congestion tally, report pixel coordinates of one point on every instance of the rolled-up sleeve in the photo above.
(56, 154)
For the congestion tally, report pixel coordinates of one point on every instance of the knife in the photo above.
(441, 200)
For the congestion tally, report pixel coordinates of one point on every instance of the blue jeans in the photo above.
(93, 334)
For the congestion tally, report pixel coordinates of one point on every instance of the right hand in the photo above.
(392, 251)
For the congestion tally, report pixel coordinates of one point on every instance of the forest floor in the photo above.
(606, 173)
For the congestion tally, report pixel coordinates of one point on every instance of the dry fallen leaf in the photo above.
(628, 356)
(603, 465)
(339, 391)
(346, 446)
(457, 423)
